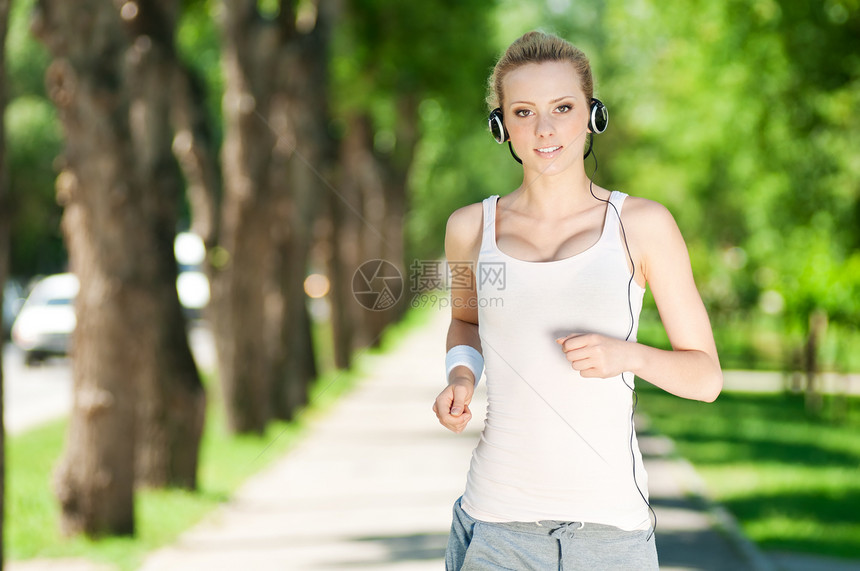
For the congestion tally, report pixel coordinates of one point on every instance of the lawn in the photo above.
(792, 480)
(32, 512)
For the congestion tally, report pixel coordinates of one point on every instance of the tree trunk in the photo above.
(395, 167)
(4, 252)
(238, 292)
(345, 215)
(375, 237)
(95, 479)
(194, 148)
(300, 175)
(818, 321)
(367, 224)
(172, 408)
(134, 378)
(274, 126)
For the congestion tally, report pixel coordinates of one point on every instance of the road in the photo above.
(35, 395)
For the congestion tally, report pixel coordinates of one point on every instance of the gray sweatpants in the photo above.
(545, 546)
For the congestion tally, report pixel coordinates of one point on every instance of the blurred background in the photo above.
(222, 169)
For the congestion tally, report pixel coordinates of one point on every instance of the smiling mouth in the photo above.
(548, 149)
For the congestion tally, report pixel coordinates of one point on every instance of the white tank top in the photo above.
(555, 445)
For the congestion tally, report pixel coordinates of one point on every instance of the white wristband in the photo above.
(467, 356)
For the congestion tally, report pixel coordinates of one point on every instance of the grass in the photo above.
(32, 512)
(791, 480)
(753, 341)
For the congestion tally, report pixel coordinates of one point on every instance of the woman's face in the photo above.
(546, 114)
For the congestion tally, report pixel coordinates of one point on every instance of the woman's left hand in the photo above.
(595, 355)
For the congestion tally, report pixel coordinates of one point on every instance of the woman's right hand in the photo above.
(452, 404)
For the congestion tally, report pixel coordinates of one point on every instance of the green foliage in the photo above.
(385, 48)
(26, 58)
(736, 116)
(436, 55)
(199, 47)
(33, 140)
(791, 480)
(456, 165)
(740, 116)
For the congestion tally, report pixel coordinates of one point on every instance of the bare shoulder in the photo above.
(648, 218)
(463, 232)
(466, 220)
(655, 240)
(644, 211)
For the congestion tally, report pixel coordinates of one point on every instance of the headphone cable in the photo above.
(627, 338)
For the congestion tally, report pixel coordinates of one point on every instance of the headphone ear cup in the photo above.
(598, 119)
(497, 126)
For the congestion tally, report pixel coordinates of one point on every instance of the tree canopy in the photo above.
(738, 115)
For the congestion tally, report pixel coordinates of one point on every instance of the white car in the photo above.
(46, 321)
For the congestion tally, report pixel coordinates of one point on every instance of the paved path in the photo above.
(35, 395)
(372, 483)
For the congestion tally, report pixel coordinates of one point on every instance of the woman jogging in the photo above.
(557, 480)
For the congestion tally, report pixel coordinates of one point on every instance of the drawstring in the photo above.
(565, 532)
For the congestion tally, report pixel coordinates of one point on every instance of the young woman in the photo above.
(559, 268)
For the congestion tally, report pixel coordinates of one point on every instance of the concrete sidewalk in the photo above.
(372, 483)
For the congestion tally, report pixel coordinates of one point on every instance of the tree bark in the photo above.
(367, 224)
(4, 251)
(346, 254)
(137, 397)
(395, 167)
(272, 158)
(194, 148)
(238, 287)
(818, 321)
(95, 479)
(172, 402)
(300, 175)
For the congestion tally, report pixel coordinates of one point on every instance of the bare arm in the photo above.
(462, 242)
(692, 368)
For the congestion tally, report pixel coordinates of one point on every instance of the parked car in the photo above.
(46, 321)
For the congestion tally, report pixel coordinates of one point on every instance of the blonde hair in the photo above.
(538, 47)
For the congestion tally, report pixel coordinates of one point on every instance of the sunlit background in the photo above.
(739, 115)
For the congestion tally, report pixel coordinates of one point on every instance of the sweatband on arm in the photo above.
(467, 356)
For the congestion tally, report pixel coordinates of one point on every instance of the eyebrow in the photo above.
(556, 100)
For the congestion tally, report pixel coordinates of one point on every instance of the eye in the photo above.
(564, 108)
(522, 112)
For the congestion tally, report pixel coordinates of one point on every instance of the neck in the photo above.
(554, 195)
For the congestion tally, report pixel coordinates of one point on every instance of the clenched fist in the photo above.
(452, 404)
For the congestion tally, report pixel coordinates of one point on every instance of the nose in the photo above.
(544, 125)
